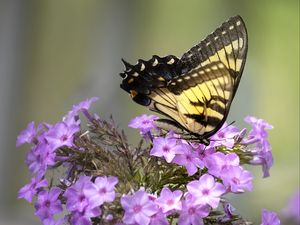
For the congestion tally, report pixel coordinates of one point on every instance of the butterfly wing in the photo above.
(227, 44)
(199, 101)
(196, 91)
(147, 75)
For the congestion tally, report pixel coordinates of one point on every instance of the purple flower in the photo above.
(225, 136)
(237, 179)
(159, 218)
(269, 218)
(189, 159)
(31, 189)
(192, 213)
(62, 134)
(206, 190)
(205, 151)
(169, 200)
(228, 210)
(51, 221)
(262, 155)
(41, 139)
(166, 147)
(76, 199)
(72, 116)
(48, 204)
(240, 137)
(84, 217)
(259, 127)
(217, 162)
(292, 210)
(138, 208)
(145, 123)
(39, 158)
(102, 190)
(84, 105)
(27, 135)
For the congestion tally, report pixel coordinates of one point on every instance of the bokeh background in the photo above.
(54, 53)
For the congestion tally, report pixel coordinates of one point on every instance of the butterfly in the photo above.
(194, 92)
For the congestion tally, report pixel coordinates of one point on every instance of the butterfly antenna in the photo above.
(228, 125)
(126, 64)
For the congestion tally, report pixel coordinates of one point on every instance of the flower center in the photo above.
(188, 158)
(205, 192)
(102, 190)
(192, 211)
(39, 158)
(81, 198)
(63, 138)
(137, 208)
(221, 135)
(170, 202)
(235, 180)
(47, 204)
(145, 122)
(166, 148)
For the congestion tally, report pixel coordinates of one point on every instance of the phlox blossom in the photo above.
(192, 213)
(138, 208)
(206, 190)
(269, 218)
(169, 200)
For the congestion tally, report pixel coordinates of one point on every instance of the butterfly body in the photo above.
(195, 92)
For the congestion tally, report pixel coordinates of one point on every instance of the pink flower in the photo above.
(206, 190)
(237, 179)
(39, 158)
(138, 208)
(51, 221)
(73, 116)
(169, 200)
(102, 190)
(166, 147)
(159, 218)
(144, 123)
(262, 155)
(48, 203)
(192, 213)
(62, 134)
(189, 159)
(31, 189)
(27, 135)
(269, 218)
(225, 136)
(204, 151)
(217, 162)
(84, 217)
(76, 199)
(84, 105)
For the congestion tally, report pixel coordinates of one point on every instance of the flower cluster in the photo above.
(103, 180)
(221, 163)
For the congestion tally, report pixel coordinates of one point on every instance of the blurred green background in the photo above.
(54, 53)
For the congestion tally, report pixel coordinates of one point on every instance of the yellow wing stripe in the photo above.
(203, 100)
